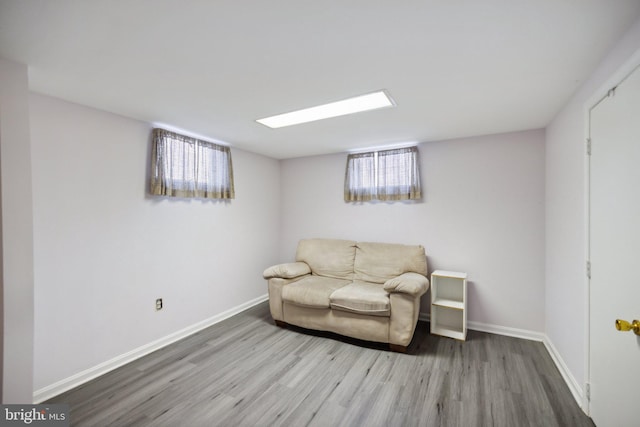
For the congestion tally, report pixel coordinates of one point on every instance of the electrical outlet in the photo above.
(159, 304)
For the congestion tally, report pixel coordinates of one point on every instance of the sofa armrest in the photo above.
(287, 271)
(413, 284)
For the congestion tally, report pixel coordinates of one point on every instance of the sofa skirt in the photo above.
(364, 327)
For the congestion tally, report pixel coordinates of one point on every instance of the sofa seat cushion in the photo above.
(362, 298)
(312, 291)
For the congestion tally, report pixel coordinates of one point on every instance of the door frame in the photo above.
(624, 71)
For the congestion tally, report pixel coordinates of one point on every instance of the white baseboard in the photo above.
(498, 330)
(73, 381)
(506, 331)
(573, 385)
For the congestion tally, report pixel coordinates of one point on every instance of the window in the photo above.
(187, 167)
(383, 175)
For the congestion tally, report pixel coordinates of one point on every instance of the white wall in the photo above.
(566, 283)
(104, 251)
(483, 213)
(16, 233)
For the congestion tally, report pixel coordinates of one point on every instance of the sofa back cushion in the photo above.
(379, 262)
(328, 257)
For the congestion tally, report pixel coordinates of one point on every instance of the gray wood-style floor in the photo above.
(246, 371)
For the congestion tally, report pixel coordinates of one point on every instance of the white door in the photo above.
(614, 356)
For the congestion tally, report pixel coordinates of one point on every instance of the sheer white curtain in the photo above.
(383, 175)
(398, 174)
(187, 167)
(359, 182)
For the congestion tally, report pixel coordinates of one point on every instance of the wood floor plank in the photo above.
(245, 371)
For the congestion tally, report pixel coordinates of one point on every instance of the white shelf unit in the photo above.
(449, 304)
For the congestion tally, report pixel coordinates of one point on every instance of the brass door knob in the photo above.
(623, 325)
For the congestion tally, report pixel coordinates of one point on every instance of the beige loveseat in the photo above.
(369, 291)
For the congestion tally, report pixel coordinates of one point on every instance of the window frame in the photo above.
(405, 184)
(187, 167)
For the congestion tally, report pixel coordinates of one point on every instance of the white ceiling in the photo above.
(455, 68)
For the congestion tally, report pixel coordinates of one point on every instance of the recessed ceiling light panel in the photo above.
(357, 104)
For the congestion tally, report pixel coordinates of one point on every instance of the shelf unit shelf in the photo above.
(449, 304)
(443, 302)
